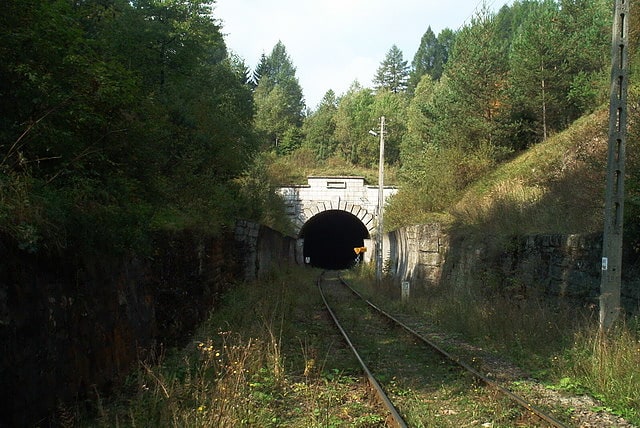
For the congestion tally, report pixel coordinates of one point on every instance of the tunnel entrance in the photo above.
(330, 237)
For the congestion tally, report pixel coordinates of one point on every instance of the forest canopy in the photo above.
(118, 117)
(122, 117)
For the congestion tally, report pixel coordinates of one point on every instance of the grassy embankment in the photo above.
(554, 187)
(264, 359)
(239, 370)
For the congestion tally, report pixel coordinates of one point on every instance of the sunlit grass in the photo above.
(554, 187)
(558, 342)
(608, 366)
(262, 359)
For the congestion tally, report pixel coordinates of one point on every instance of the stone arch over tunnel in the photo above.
(330, 237)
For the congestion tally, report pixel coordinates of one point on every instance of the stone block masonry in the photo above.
(349, 194)
(261, 249)
(72, 325)
(551, 264)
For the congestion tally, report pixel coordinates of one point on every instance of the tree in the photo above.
(425, 58)
(444, 45)
(393, 73)
(279, 71)
(475, 86)
(319, 128)
(536, 67)
(393, 106)
(586, 26)
(420, 122)
(278, 95)
(431, 56)
(125, 114)
(273, 115)
(259, 71)
(353, 122)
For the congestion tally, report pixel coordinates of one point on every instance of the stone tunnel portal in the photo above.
(330, 237)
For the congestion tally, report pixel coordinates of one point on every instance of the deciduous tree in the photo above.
(320, 127)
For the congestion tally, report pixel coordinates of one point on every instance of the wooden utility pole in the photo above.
(380, 227)
(614, 197)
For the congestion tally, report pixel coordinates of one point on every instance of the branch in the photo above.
(17, 144)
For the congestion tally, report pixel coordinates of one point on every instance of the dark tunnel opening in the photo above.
(330, 237)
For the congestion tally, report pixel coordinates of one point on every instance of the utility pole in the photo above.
(614, 197)
(379, 256)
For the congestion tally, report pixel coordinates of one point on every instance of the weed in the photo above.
(260, 360)
(606, 366)
(557, 341)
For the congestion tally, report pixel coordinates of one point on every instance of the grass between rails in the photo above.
(558, 342)
(264, 359)
(425, 388)
(269, 358)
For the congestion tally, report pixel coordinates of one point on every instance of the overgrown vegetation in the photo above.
(118, 118)
(265, 359)
(556, 341)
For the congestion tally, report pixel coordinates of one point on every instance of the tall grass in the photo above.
(556, 340)
(263, 359)
(606, 365)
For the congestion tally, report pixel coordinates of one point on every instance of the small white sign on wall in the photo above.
(405, 290)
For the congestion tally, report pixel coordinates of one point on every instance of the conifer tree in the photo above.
(393, 73)
(278, 95)
(475, 89)
(536, 67)
(425, 58)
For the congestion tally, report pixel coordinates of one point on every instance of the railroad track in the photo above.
(415, 379)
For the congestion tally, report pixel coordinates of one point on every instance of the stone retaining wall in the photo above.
(71, 326)
(553, 264)
(261, 248)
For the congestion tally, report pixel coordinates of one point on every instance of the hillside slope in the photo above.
(554, 187)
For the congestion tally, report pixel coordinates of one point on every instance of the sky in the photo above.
(333, 43)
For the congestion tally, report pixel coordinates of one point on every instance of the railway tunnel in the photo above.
(330, 237)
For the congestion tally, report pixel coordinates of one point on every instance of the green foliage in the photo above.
(431, 57)
(353, 122)
(257, 190)
(475, 100)
(605, 366)
(279, 101)
(512, 80)
(320, 126)
(393, 73)
(536, 70)
(117, 117)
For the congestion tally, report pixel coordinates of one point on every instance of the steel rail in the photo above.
(382, 396)
(514, 397)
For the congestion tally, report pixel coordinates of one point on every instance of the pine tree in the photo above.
(431, 56)
(475, 89)
(393, 73)
(444, 46)
(424, 60)
(259, 71)
(278, 95)
(536, 67)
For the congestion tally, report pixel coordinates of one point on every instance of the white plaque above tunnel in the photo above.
(326, 193)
